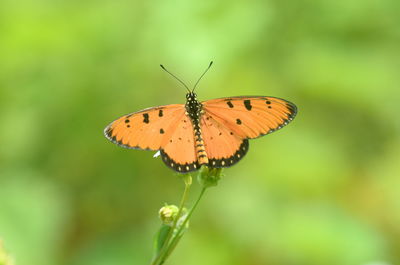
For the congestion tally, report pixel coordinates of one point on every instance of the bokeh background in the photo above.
(324, 190)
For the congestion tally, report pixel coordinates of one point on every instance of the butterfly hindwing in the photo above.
(224, 147)
(179, 152)
(149, 129)
(250, 117)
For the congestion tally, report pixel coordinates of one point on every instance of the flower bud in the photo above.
(209, 177)
(168, 214)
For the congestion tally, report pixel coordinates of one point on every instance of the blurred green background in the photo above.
(324, 190)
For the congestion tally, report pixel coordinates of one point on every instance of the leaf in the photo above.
(160, 239)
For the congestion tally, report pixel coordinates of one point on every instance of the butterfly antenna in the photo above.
(162, 66)
(202, 75)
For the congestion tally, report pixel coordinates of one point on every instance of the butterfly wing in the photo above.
(164, 128)
(251, 117)
(227, 123)
(148, 129)
(224, 148)
(179, 152)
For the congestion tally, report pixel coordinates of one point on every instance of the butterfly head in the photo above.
(191, 97)
(193, 107)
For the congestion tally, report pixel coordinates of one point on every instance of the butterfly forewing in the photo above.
(148, 129)
(250, 117)
(227, 123)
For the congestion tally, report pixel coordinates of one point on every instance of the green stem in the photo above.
(177, 237)
(165, 247)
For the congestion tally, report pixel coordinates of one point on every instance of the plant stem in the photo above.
(177, 237)
(165, 247)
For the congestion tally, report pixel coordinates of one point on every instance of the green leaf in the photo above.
(160, 239)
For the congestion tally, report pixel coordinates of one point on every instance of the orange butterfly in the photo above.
(214, 133)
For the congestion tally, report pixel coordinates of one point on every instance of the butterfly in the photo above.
(214, 133)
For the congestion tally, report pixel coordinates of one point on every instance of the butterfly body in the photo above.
(214, 133)
(194, 110)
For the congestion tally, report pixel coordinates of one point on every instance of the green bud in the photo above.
(168, 214)
(187, 178)
(209, 177)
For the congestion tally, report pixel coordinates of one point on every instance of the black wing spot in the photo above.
(231, 133)
(238, 121)
(247, 104)
(269, 107)
(170, 141)
(160, 113)
(127, 120)
(268, 102)
(180, 138)
(128, 126)
(220, 133)
(146, 118)
(161, 131)
(229, 104)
